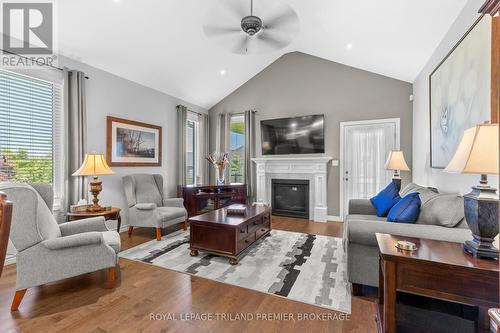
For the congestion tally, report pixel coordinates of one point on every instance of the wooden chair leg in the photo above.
(130, 229)
(158, 234)
(185, 225)
(18, 297)
(111, 277)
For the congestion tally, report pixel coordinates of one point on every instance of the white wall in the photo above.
(422, 173)
(110, 95)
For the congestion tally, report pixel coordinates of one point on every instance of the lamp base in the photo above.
(95, 189)
(397, 181)
(481, 215)
(481, 249)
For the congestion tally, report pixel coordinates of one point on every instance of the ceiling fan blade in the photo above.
(242, 46)
(212, 31)
(273, 41)
(285, 18)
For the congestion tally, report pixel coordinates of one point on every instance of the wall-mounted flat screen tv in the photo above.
(297, 135)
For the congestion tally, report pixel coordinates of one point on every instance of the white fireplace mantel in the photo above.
(314, 169)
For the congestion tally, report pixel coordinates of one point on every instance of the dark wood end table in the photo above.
(109, 214)
(437, 269)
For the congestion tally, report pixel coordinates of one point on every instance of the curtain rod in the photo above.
(20, 56)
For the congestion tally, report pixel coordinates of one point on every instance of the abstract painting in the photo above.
(460, 90)
(131, 143)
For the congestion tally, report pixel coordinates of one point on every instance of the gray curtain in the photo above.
(75, 135)
(181, 147)
(249, 153)
(204, 148)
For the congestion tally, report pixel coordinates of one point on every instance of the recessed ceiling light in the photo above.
(222, 72)
(116, 1)
(349, 46)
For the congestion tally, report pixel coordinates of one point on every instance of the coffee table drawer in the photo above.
(244, 243)
(242, 232)
(264, 228)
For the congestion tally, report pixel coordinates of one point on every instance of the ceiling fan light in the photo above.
(251, 25)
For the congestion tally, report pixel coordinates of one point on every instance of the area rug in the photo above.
(301, 267)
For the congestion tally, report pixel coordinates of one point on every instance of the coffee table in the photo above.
(437, 269)
(218, 233)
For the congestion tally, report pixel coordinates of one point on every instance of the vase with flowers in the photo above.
(219, 161)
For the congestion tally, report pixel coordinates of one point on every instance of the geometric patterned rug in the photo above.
(302, 267)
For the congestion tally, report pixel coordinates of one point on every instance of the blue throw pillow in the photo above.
(406, 210)
(387, 198)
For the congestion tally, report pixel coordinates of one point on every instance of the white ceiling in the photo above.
(161, 44)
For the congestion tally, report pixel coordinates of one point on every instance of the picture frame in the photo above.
(460, 91)
(132, 143)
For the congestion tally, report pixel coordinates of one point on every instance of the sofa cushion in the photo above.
(363, 232)
(445, 210)
(385, 199)
(425, 193)
(406, 210)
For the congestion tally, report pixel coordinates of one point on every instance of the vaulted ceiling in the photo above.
(161, 44)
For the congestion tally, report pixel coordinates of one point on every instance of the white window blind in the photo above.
(30, 130)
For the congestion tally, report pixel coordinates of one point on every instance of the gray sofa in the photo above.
(441, 218)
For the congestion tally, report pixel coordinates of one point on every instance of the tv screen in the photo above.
(297, 135)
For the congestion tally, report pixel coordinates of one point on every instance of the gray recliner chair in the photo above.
(147, 206)
(48, 251)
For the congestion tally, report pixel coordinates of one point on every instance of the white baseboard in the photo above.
(334, 218)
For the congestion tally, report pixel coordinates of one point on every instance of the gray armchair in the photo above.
(48, 251)
(147, 206)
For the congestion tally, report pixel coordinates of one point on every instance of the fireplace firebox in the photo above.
(290, 197)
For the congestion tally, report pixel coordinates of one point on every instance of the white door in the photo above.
(364, 148)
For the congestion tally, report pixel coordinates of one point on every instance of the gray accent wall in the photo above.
(299, 84)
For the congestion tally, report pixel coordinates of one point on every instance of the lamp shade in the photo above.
(396, 161)
(94, 164)
(477, 152)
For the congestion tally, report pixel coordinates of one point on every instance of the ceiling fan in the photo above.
(274, 29)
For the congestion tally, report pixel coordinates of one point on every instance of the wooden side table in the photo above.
(437, 269)
(109, 214)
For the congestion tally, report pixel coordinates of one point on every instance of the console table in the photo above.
(437, 269)
(200, 199)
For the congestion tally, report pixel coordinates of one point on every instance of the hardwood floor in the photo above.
(83, 304)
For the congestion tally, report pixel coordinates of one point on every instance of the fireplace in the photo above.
(290, 197)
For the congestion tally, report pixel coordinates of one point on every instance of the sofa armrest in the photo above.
(85, 225)
(361, 207)
(86, 238)
(145, 206)
(173, 202)
(363, 231)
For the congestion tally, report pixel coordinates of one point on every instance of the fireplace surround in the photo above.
(313, 168)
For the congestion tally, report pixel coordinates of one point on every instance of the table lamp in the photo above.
(396, 161)
(478, 154)
(94, 165)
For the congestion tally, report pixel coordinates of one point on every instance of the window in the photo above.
(30, 113)
(237, 141)
(192, 151)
